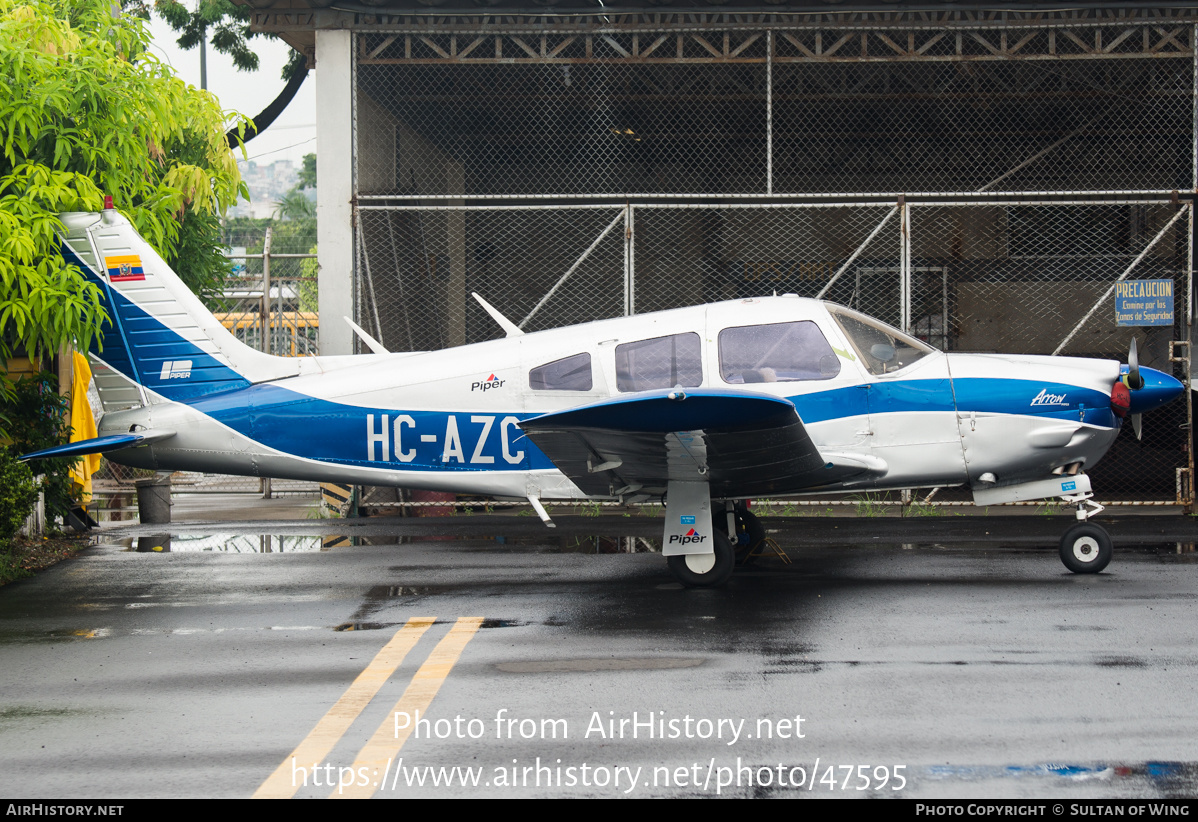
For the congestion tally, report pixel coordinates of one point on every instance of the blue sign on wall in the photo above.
(1144, 302)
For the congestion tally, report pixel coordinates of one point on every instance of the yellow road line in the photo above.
(379, 753)
(316, 746)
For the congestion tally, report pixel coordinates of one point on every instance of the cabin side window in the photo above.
(568, 374)
(778, 352)
(662, 362)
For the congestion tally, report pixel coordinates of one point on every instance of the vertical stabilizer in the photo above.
(160, 336)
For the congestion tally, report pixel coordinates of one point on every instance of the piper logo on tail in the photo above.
(686, 539)
(175, 370)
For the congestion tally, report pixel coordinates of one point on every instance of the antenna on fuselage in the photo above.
(371, 343)
(509, 327)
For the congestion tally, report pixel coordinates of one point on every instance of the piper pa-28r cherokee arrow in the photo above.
(704, 406)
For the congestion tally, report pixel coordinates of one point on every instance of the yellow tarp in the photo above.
(83, 427)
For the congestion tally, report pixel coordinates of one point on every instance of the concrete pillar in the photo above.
(335, 172)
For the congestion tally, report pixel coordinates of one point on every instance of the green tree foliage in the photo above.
(18, 494)
(87, 110)
(197, 257)
(309, 294)
(295, 205)
(42, 413)
(307, 174)
(229, 25)
(223, 23)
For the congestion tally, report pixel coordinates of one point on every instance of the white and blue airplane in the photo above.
(704, 406)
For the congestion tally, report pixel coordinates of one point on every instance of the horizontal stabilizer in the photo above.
(99, 445)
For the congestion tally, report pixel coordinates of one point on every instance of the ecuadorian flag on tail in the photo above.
(125, 268)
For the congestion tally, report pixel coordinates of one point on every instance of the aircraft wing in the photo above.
(742, 443)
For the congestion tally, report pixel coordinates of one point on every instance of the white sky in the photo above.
(292, 135)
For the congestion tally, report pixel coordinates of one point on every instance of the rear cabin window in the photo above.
(569, 374)
(779, 352)
(662, 362)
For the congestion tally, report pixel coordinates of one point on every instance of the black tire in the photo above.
(717, 574)
(750, 533)
(1086, 548)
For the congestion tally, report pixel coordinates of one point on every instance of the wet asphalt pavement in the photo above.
(947, 658)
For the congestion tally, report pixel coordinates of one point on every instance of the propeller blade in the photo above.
(1137, 425)
(1133, 380)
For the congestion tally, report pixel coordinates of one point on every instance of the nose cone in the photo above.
(1159, 388)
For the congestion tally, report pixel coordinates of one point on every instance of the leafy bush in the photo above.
(18, 494)
(37, 417)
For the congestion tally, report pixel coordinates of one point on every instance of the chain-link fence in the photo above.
(1032, 107)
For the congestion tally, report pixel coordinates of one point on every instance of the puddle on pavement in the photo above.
(234, 543)
(1172, 552)
(276, 544)
(19, 712)
(365, 626)
(503, 623)
(379, 626)
(589, 666)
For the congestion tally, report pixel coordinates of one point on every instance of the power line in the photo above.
(277, 150)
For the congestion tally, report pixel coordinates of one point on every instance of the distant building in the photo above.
(267, 184)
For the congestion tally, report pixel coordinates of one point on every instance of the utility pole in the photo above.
(203, 53)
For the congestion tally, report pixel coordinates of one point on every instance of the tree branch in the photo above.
(269, 114)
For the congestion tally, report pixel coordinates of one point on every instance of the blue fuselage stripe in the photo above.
(388, 438)
(328, 431)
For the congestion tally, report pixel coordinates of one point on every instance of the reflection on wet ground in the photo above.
(1146, 779)
(575, 544)
(230, 543)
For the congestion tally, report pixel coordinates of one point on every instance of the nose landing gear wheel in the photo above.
(705, 570)
(1086, 548)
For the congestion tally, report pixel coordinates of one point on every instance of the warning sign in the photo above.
(1144, 302)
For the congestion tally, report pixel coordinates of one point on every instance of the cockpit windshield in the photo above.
(882, 348)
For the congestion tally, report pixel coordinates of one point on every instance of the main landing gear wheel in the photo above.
(705, 570)
(1086, 548)
(750, 533)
